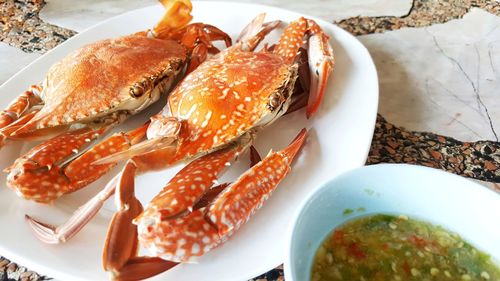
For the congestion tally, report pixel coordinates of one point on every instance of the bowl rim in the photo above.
(288, 272)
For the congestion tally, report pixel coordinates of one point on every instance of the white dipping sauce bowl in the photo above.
(441, 198)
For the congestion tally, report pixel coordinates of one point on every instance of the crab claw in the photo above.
(38, 176)
(62, 164)
(138, 268)
(183, 200)
(321, 65)
(183, 238)
(30, 177)
(186, 190)
(320, 56)
(239, 201)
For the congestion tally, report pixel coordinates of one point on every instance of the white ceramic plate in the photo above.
(340, 138)
(445, 199)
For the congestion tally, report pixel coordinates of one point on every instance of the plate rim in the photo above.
(55, 273)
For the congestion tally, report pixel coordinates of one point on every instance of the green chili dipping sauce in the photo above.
(385, 247)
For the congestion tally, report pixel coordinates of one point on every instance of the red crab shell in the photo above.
(229, 95)
(99, 78)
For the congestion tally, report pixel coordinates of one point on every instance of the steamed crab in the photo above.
(93, 89)
(215, 112)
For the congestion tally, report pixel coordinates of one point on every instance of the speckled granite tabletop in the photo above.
(477, 156)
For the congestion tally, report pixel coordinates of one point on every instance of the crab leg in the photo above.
(196, 37)
(59, 234)
(183, 238)
(320, 56)
(255, 32)
(177, 14)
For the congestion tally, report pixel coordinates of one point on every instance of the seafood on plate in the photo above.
(212, 116)
(92, 89)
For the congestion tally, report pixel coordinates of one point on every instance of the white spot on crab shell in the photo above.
(195, 249)
(191, 110)
(180, 252)
(80, 115)
(207, 118)
(207, 133)
(206, 249)
(224, 93)
(226, 221)
(213, 218)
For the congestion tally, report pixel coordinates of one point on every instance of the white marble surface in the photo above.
(444, 78)
(78, 15)
(12, 60)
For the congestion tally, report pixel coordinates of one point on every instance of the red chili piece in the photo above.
(337, 237)
(418, 241)
(354, 251)
(406, 268)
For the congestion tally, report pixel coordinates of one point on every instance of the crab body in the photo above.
(244, 91)
(83, 87)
